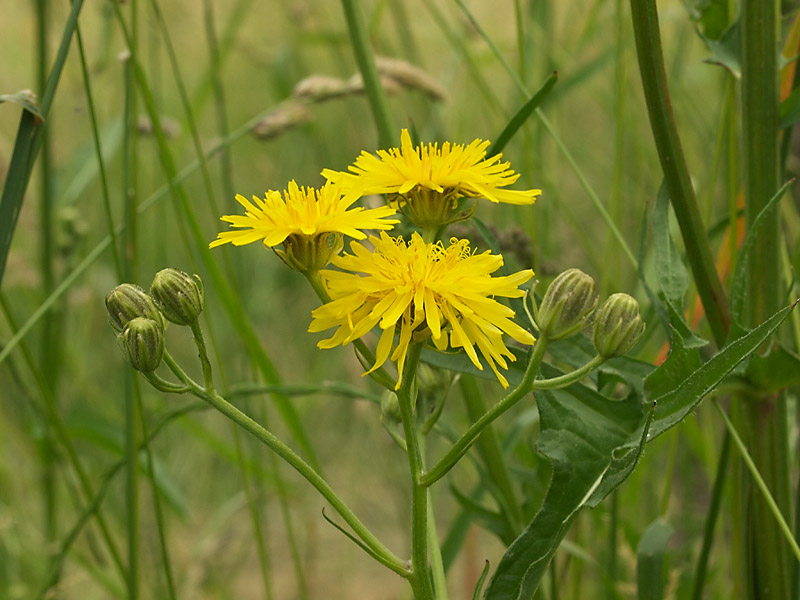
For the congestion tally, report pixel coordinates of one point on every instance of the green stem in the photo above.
(208, 377)
(406, 396)
(711, 518)
(562, 381)
(381, 552)
(492, 453)
(673, 164)
(764, 420)
(369, 72)
(464, 443)
(388, 558)
(761, 484)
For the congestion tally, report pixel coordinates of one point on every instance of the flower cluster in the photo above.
(409, 290)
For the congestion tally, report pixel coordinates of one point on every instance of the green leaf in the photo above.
(27, 100)
(711, 17)
(488, 519)
(673, 278)
(594, 443)
(522, 115)
(651, 560)
(725, 50)
(674, 404)
(790, 109)
(774, 371)
(739, 282)
(580, 431)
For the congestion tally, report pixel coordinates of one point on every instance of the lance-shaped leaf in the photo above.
(594, 443)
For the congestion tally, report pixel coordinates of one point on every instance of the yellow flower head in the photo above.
(430, 179)
(309, 223)
(426, 289)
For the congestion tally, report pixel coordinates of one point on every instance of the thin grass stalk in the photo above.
(458, 42)
(166, 563)
(230, 300)
(764, 414)
(673, 164)
(612, 273)
(701, 566)
(28, 142)
(255, 515)
(220, 104)
(49, 343)
(93, 508)
(133, 416)
(190, 120)
(612, 547)
(101, 169)
(551, 131)
(70, 279)
(369, 72)
(61, 436)
(286, 517)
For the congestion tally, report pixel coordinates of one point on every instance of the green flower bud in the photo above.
(126, 302)
(566, 305)
(142, 342)
(617, 326)
(178, 295)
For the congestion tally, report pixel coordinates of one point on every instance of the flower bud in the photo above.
(566, 305)
(126, 302)
(178, 295)
(142, 342)
(617, 326)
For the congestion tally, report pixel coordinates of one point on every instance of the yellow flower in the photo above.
(426, 289)
(308, 222)
(430, 179)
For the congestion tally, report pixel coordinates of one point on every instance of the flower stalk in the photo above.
(406, 395)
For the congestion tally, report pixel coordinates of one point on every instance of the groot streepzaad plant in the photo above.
(426, 301)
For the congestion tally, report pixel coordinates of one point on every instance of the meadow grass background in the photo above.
(265, 49)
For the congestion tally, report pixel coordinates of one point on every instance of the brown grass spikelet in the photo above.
(280, 120)
(411, 76)
(321, 87)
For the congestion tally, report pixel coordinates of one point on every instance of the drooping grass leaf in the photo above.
(650, 560)
(521, 116)
(27, 100)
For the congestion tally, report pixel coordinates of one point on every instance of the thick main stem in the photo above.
(673, 164)
(420, 579)
(762, 416)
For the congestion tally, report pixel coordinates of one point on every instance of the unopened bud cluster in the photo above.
(569, 306)
(139, 318)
